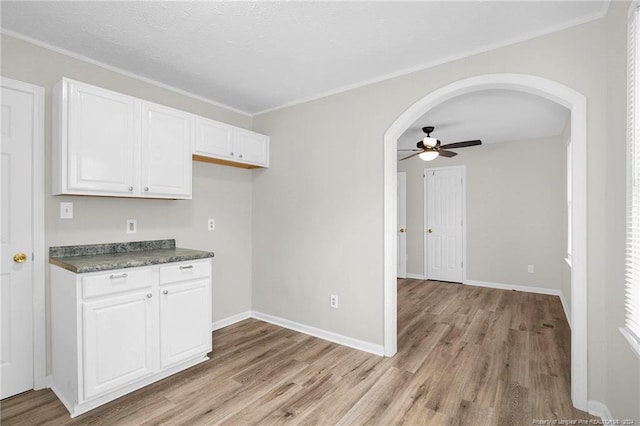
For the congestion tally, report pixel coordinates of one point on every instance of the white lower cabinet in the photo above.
(182, 332)
(114, 332)
(118, 341)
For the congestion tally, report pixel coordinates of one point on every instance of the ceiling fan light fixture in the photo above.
(428, 155)
(429, 142)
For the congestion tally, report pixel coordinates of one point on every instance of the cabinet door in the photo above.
(101, 141)
(185, 321)
(165, 156)
(214, 139)
(119, 341)
(252, 147)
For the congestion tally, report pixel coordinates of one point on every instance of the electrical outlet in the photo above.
(334, 301)
(66, 210)
(211, 224)
(132, 226)
(530, 269)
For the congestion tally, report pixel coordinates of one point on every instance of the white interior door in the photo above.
(16, 277)
(444, 234)
(402, 225)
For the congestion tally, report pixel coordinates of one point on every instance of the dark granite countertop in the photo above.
(105, 257)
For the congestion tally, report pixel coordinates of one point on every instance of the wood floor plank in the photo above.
(466, 355)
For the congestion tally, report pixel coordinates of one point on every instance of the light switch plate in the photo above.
(66, 210)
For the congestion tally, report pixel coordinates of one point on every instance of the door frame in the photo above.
(38, 228)
(402, 183)
(463, 171)
(557, 92)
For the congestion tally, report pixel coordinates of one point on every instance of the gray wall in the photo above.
(514, 211)
(220, 192)
(317, 223)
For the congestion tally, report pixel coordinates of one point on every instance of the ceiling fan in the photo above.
(430, 148)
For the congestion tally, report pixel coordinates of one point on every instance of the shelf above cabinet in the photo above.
(222, 162)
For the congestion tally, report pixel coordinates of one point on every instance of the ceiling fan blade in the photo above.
(448, 154)
(411, 156)
(413, 149)
(462, 144)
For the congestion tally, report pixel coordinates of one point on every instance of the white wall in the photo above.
(514, 211)
(220, 192)
(318, 211)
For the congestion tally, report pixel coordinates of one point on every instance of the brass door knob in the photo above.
(401, 230)
(20, 257)
(430, 231)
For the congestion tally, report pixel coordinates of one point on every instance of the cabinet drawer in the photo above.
(184, 271)
(115, 282)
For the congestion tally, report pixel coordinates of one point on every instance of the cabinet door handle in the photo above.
(240, 156)
(165, 292)
(186, 267)
(146, 188)
(231, 153)
(130, 188)
(114, 277)
(149, 295)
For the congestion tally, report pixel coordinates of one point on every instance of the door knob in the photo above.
(20, 257)
(401, 230)
(430, 231)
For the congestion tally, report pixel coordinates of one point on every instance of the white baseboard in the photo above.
(415, 276)
(599, 409)
(565, 307)
(225, 322)
(302, 328)
(501, 286)
(322, 334)
(538, 290)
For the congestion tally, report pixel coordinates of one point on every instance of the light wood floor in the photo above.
(466, 355)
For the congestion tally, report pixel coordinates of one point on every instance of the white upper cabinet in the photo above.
(101, 138)
(109, 144)
(165, 157)
(252, 147)
(222, 143)
(214, 139)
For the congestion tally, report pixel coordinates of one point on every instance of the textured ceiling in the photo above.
(256, 56)
(493, 116)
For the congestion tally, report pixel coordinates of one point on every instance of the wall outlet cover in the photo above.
(334, 301)
(66, 210)
(132, 226)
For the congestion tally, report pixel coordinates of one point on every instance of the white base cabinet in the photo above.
(116, 331)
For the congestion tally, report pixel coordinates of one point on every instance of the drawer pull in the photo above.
(149, 295)
(115, 277)
(186, 267)
(165, 292)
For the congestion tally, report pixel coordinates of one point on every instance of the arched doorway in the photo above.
(542, 87)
